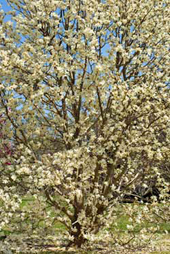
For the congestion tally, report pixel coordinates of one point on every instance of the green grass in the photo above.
(121, 225)
(160, 252)
(123, 221)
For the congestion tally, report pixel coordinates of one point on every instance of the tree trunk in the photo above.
(78, 238)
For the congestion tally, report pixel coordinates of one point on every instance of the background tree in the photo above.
(91, 77)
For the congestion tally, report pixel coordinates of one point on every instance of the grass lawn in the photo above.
(160, 252)
(162, 245)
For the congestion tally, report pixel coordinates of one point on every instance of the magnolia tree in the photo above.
(86, 84)
(5, 146)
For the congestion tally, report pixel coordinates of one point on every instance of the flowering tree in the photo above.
(5, 148)
(86, 82)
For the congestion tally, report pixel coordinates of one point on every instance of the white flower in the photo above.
(78, 194)
(14, 177)
(99, 67)
(23, 170)
(130, 227)
(88, 31)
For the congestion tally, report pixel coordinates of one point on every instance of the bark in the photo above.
(78, 238)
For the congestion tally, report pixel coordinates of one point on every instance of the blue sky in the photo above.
(5, 6)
